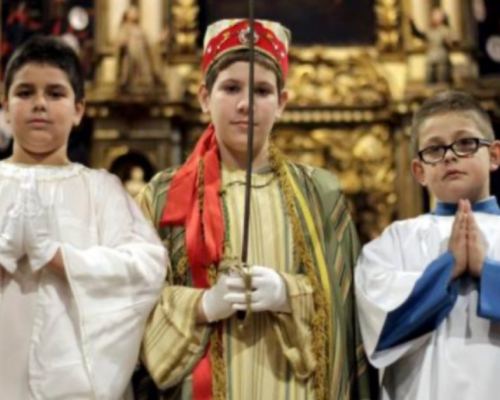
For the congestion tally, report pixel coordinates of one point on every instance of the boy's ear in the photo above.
(417, 169)
(283, 99)
(494, 155)
(6, 111)
(80, 111)
(204, 97)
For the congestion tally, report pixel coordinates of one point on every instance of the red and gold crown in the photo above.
(228, 35)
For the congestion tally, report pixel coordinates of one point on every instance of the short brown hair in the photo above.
(242, 55)
(51, 51)
(451, 102)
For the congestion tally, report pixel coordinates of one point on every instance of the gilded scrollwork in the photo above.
(321, 79)
(348, 105)
(388, 14)
(362, 158)
(193, 81)
(184, 25)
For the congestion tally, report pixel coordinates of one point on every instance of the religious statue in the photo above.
(136, 67)
(439, 40)
(136, 181)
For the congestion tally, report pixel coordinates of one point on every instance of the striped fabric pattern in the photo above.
(271, 358)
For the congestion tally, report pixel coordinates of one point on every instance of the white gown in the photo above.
(433, 339)
(78, 338)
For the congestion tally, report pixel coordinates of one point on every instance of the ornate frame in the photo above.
(355, 110)
(184, 25)
(358, 108)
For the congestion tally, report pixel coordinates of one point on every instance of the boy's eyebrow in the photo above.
(465, 131)
(456, 134)
(235, 80)
(23, 85)
(28, 85)
(430, 142)
(264, 83)
(231, 80)
(57, 86)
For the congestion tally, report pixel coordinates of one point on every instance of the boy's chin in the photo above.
(453, 198)
(41, 151)
(240, 147)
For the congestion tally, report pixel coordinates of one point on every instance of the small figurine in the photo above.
(136, 182)
(135, 59)
(439, 40)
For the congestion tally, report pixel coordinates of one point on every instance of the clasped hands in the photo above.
(466, 242)
(25, 229)
(228, 295)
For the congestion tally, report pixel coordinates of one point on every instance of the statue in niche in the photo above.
(136, 67)
(439, 40)
(136, 181)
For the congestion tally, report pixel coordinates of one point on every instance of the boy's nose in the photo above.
(39, 101)
(449, 155)
(244, 104)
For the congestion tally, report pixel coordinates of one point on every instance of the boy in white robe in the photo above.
(428, 289)
(80, 268)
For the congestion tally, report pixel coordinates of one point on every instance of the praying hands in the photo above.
(26, 231)
(466, 243)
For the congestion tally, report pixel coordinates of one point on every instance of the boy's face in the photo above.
(454, 178)
(229, 111)
(42, 110)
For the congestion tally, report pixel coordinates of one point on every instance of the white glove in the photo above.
(11, 236)
(269, 292)
(39, 246)
(215, 307)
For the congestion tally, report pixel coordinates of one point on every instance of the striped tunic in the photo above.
(271, 358)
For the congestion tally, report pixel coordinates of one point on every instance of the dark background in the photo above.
(326, 22)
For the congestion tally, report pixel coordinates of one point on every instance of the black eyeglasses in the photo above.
(461, 148)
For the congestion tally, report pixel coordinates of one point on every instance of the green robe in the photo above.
(273, 356)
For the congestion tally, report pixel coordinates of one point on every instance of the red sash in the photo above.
(204, 228)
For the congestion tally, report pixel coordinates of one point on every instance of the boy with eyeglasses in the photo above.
(428, 290)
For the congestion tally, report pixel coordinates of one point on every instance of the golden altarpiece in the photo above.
(349, 109)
